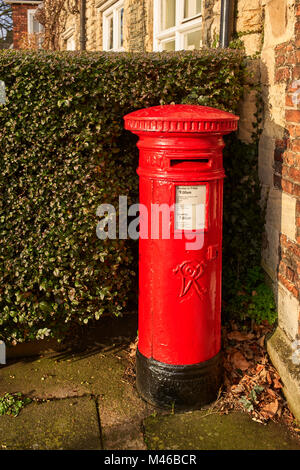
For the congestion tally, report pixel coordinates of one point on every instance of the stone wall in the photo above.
(211, 21)
(279, 167)
(93, 26)
(135, 26)
(278, 45)
(138, 26)
(287, 181)
(249, 24)
(269, 30)
(71, 29)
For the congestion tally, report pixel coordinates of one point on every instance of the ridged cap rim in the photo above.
(181, 118)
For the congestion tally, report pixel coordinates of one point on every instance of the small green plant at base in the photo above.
(249, 401)
(262, 306)
(247, 404)
(246, 296)
(12, 404)
(254, 299)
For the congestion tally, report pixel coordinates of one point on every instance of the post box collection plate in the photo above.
(190, 207)
(178, 362)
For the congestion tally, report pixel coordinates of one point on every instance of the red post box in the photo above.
(180, 168)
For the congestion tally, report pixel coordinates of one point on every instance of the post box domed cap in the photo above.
(183, 118)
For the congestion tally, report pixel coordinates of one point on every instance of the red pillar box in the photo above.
(181, 189)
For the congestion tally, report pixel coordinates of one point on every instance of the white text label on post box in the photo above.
(190, 207)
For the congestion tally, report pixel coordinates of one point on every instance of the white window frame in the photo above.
(112, 11)
(177, 32)
(30, 17)
(67, 35)
(70, 44)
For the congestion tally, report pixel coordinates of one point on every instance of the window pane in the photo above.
(168, 45)
(35, 26)
(110, 32)
(192, 40)
(192, 8)
(168, 14)
(121, 26)
(70, 44)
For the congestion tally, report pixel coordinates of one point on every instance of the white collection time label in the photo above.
(190, 207)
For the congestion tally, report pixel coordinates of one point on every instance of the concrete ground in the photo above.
(88, 400)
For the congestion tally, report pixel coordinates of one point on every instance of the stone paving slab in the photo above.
(64, 375)
(121, 420)
(93, 403)
(204, 430)
(98, 373)
(67, 424)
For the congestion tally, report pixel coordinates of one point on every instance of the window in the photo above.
(69, 38)
(33, 26)
(177, 25)
(70, 44)
(113, 26)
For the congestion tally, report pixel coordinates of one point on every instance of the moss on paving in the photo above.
(63, 376)
(67, 424)
(204, 430)
(70, 421)
(75, 375)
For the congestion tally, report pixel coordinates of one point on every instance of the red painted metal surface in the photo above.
(180, 288)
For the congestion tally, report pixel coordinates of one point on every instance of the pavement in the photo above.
(88, 400)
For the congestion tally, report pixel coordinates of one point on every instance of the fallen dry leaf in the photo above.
(240, 336)
(270, 409)
(261, 341)
(239, 361)
(269, 379)
(279, 411)
(133, 348)
(237, 388)
(249, 374)
(276, 382)
(248, 353)
(271, 393)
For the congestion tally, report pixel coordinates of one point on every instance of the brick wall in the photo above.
(287, 159)
(19, 16)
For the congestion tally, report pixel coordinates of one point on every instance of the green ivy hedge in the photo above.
(63, 152)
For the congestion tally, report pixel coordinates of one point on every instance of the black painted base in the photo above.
(182, 387)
